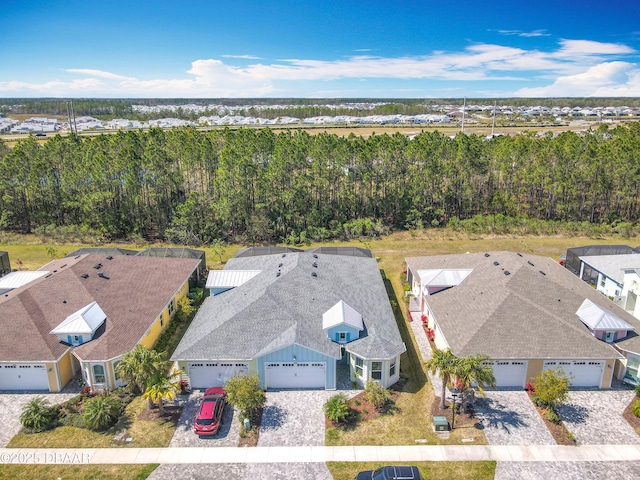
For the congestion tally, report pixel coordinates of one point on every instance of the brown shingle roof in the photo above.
(133, 296)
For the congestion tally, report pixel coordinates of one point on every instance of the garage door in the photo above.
(23, 377)
(205, 375)
(580, 373)
(509, 373)
(295, 375)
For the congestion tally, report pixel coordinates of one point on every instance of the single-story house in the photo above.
(527, 313)
(79, 316)
(291, 317)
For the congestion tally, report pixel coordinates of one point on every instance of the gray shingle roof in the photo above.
(272, 311)
(528, 313)
(613, 266)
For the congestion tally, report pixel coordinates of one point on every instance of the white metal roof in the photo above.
(443, 277)
(229, 278)
(597, 318)
(18, 279)
(86, 320)
(342, 313)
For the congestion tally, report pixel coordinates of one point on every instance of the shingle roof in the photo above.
(524, 307)
(597, 318)
(284, 305)
(133, 296)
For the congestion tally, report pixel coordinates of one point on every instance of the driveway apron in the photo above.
(509, 418)
(595, 417)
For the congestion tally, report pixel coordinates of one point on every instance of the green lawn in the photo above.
(76, 472)
(428, 470)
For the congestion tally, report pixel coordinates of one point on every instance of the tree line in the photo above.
(251, 185)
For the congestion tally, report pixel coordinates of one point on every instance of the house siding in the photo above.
(352, 333)
(607, 374)
(534, 367)
(386, 380)
(158, 327)
(302, 355)
(65, 369)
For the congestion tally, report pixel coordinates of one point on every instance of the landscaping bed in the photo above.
(630, 417)
(558, 431)
(462, 419)
(250, 438)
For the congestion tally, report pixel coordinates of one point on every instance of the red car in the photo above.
(210, 415)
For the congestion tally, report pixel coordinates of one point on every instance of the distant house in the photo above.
(5, 265)
(527, 313)
(77, 316)
(293, 317)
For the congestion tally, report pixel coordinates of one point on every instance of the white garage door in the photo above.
(581, 373)
(205, 375)
(23, 377)
(295, 375)
(509, 373)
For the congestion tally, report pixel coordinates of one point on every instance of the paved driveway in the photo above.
(11, 405)
(244, 471)
(184, 436)
(566, 470)
(595, 417)
(509, 418)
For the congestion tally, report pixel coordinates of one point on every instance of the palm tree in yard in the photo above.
(140, 365)
(443, 363)
(470, 371)
(162, 386)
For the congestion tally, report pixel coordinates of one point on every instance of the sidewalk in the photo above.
(394, 454)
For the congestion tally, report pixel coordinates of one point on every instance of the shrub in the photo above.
(101, 412)
(637, 390)
(552, 416)
(636, 408)
(376, 394)
(337, 408)
(529, 387)
(551, 387)
(244, 392)
(37, 416)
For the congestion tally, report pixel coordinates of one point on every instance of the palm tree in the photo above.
(473, 370)
(101, 411)
(139, 365)
(337, 408)
(161, 387)
(37, 416)
(443, 363)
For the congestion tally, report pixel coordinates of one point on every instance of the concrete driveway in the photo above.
(184, 436)
(244, 471)
(11, 406)
(509, 418)
(595, 417)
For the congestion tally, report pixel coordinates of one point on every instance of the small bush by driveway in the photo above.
(595, 417)
(184, 436)
(509, 418)
(11, 405)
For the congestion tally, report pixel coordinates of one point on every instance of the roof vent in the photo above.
(109, 257)
(315, 256)
(97, 266)
(507, 272)
(279, 265)
(542, 272)
(101, 274)
(531, 263)
(496, 263)
(64, 301)
(277, 274)
(55, 271)
(75, 258)
(314, 274)
(284, 255)
(85, 275)
(63, 265)
(47, 276)
(519, 254)
(487, 255)
(315, 264)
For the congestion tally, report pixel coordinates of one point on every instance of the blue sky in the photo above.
(319, 49)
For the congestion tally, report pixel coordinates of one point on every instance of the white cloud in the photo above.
(245, 57)
(603, 80)
(520, 33)
(587, 65)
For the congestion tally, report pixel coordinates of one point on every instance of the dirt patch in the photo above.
(171, 414)
(630, 417)
(250, 438)
(558, 431)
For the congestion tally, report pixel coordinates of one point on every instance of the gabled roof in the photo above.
(342, 313)
(515, 306)
(229, 278)
(86, 320)
(284, 305)
(598, 318)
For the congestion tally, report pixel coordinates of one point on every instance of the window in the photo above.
(171, 307)
(376, 370)
(603, 281)
(359, 367)
(98, 373)
(115, 370)
(342, 336)
(633, 365)
(162, 320)
(392, 368)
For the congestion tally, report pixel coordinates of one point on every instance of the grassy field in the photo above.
(73, 472)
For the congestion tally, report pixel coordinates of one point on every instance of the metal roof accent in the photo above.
(18, 279)
(597, 318)
(443, 277)
(86, 320)
(341, 313)
(229, 278)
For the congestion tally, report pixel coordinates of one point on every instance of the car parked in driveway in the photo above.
(391, 473)
(209, 416)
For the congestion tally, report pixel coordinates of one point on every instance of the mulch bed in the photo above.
(362, 410)
(250, 438)
(557, 430)
(171, 414)
(462, 419)
(630, 417)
